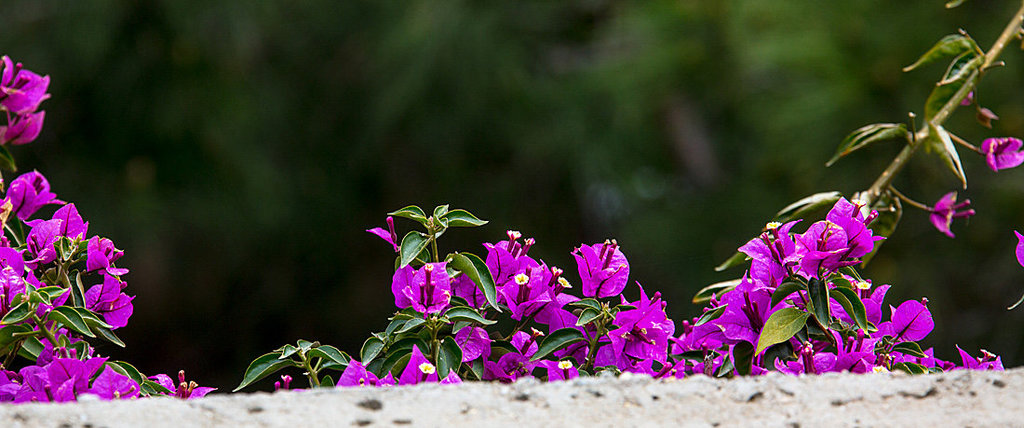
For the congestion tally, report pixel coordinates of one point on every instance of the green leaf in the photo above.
(371, 347)
(943, 144)
(819, 300)
(331, 354)
(7, 160)
(961, 66)
(127, 369)
(17, 314)
(890, 210)
(851, 303)
(588, 316)
(108, 335)
(910, 348)
(558, 339)
(305, 345)
(718, 288)
(587, 303)
(743, 356)
(263, 366)
(410, 325)
(954, 3)
(31, 348)
(711, 315)
(785, 289)
(71, 319)
(910, 368)
(287, 351)
(440, 211)
(736, 260)
(411, 212)
(465, 313)
(463, 218)
(449, 357)
(396, 361)
(10, 335)
(867, 135)
(471, 265)
(780, 327)
(951, 45)
(412, 245)
(327, 382)
(78, 291)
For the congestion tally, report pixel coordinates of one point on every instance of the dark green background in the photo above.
(237, 151)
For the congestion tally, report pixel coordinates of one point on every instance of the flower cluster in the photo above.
(801, 307)
(59, 286)
(21, 92)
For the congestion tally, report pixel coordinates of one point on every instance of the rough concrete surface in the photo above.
(959, 398)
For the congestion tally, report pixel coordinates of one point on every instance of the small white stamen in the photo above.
(565, 364)
(522, 279)
(772, 225)
(564, 283)
(427, 368)
(863, 285)
(879, 369)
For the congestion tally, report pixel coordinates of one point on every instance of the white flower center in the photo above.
(427, 368)
(564, 282)
(565, 364)
(863, 285)
(522, 279)
(773, 225)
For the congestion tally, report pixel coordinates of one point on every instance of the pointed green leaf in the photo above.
(410, 325)
(449, 357)
(471, 265)
(910, 368)
(819, 300)
(412, 245)
(780, 327)
(71, 319)
(943, 144)
(743, 356)
(465, 313)
(807, 205)
(785, 289)
(263, 366)
(440, 211)
(371, 347)
(558, 339)
(587, 316)
(852, 304)
(78, 291)
(718, 288)
(463, 218)
(332, 354)
(736, 260)
(9, 336)
(327, 382)
(411, 212)
(587, 303)
(951, 45)
(7, 160)
(396, 362)
(287, 351)
(867, 135)
(710, 315)
(961, 66)
(19, 313)
(910, 348)
(944, 94)
(107, 334)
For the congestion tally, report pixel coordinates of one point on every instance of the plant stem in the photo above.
(311, 373)
(912, 202)
(883, 181)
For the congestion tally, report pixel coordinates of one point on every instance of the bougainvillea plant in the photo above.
(61, 291)
(801, 306)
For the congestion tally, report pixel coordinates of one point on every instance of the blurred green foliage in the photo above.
(237, 151)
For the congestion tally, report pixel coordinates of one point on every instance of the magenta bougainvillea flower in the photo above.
(560, 370)
(28, 193)
(946, 209)
(603, 269)
(388, 235)
(101, 254)
(185, 390)
(507, 258)
(21, 91)
(528, 292)
(22, 129)
(988, 361)
(911, 321)
(643, 332)
(1020, 248)
(70, 223)
(773, 253)
(515, 365)
(427, 289)
(420, 370)
(1002, 153)
(475, 343)
(40, 242)
(748, 307)
(111, 385)
(355, 374)
(107, 300)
